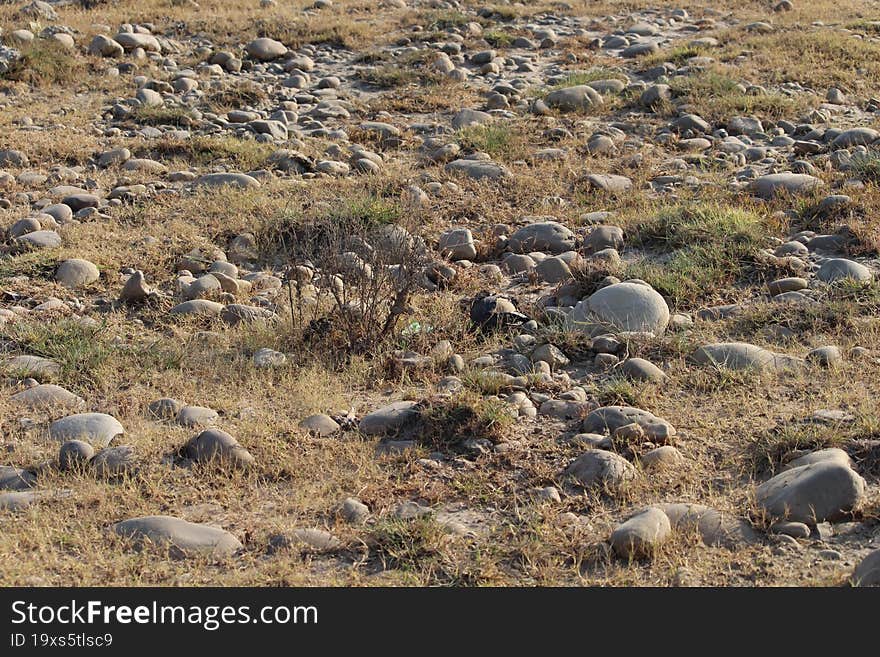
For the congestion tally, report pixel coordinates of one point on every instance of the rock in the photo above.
(196, 416)
(132, 40)
(201, 307)
(95, 428)
(18, 500)
(135, 289)
(458, 244)
(737, 356)
(829, 356)
(113, 462)
(833, 454)
(40, 239)
(641, 535)
(76, 273)
(353, 511)
(468, 117)
(317, 539)
(855, 137)
(825, 490)
(867, 573)
(623, 307)
(320, 424)
(600, 469)
(573, 99)
(793, 529)
(264, 49)
(105, 47)
(12, 478)
(837, 269)
(640, 369)
(75, 455)
(216, 445)
(604, 237)
(478, 169)
(549, 236)
(47, 396)
(164, 409)
(716, 529)
(389, 419)
(775, 184)
(30, 366)
(239, 180)
(608, 419)
(236, 313)
(661, 457)
(181, 537)
(265, 358)
(609, 182)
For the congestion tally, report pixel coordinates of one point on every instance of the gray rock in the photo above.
(458, 244)
(164, 409)
(113, 462)
(75, 455)
(867, 573)
(181, 537)
(217, 446)
(640, 369)
(478, 169)
(829, 454)
(716, 529)
(389, 419)
(47, 396)
(549, 236)
(600, 469)
(855, 137)
(837, 269)
(353, 511)
(320, 424)
(196, 416)
(202, 307)
(738, 356)
(775, 184)
(642, 534)
(240, 180)
(95, 428)
(573, 99)
(826, 490)
(30, 366)
(265, 49)
(12, 478)
(623, 307)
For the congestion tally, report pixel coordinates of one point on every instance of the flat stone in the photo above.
(837, 269)
(320, 424)
(196, 416)
(389, 419)
(30, 366)
(12, 478)
(775, 184)
(182, 537)
(47, 396)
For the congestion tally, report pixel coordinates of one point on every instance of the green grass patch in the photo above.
(698, 249)
(716, 96)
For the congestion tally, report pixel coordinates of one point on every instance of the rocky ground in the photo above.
(416, 292)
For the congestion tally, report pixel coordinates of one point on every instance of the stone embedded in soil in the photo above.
(12, 478)
(181, 537)
(217, 446)
(320, 424)
(75, 455)
(642, 534)
(389, 419)
(196, 416)
(600, 469)
(47, 396)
